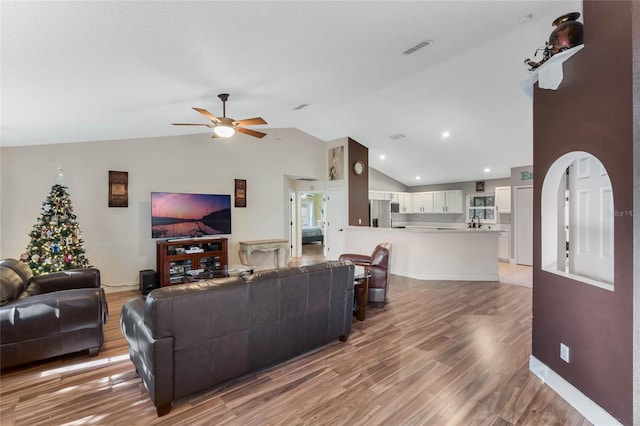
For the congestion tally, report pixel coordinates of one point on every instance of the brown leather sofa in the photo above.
(378, 265)
(49, 315)
(188, 338)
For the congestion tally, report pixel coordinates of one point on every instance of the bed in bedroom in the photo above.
(312, 234)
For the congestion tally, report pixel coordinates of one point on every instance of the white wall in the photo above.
(378, 181)
(118, 240)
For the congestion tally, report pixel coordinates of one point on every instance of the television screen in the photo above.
(175, 215)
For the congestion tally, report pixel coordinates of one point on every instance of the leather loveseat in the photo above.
(49, 315)
(188, 338)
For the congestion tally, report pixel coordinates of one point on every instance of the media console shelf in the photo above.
(188, 260)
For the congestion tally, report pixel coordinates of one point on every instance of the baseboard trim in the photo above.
(585, 406)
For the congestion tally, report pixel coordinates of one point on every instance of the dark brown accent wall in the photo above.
(358, 185)
(591, 111)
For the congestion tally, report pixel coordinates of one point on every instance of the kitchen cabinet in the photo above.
(503, 199)
(405, 200)
(504, 246)
(379, 195)
(448, 201)
(422, 202)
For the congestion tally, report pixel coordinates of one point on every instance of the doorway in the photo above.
(524, 225)
(312, 208)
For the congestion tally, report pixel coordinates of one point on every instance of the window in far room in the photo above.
(306, 213)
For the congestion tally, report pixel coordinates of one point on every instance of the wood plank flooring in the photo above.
(440, 353)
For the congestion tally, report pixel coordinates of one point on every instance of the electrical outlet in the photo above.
(564, 352)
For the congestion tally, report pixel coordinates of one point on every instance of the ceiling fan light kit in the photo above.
(225, 127)
(223, 131)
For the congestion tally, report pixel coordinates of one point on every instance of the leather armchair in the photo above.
(378, 265)
(49, 315)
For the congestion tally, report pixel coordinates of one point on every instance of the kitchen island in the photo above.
(462, 254)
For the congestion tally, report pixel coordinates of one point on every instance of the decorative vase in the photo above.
(568, 33)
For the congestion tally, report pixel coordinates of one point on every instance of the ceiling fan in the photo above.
(225, 127)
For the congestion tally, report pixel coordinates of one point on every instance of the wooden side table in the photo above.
(361, 294)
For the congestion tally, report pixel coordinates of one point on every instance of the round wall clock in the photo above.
(358, 167)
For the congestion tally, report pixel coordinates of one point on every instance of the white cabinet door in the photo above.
(439, 202)
(504, 245)
(448, 201)
(406, 202)
(503, 199)
(422, 202)
(454, 201)
(394, 197)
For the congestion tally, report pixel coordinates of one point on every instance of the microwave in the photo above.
(395, 207)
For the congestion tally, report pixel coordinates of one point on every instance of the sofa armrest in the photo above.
(52, 314)
(153, 358)
(64, 280)
(358, 259)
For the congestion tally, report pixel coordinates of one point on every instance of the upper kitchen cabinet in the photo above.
(379, 195)
(406, 202)
(503, 199)
(422, 202)
(448, 201)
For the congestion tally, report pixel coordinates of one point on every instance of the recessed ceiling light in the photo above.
(487, 170)
(446, 134)
(417, 177)
(382, 157)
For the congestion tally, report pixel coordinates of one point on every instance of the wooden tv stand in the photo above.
(187, 260)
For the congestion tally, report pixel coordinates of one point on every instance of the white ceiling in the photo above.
(99, 70)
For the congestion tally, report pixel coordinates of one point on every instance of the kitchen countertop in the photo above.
(420, 228)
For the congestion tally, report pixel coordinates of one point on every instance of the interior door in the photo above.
(524, 226)
(336, 223)
(294, 235)
(590, 220)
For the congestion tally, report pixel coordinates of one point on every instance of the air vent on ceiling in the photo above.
(417, 47)
(299, 107)
(397, 137)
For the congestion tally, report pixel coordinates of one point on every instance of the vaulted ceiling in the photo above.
(83, 71)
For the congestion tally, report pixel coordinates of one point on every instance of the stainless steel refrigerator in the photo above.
(380, 213)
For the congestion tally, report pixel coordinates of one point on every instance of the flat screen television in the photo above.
(181, 215)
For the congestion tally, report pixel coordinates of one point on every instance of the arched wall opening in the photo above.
(577, 220)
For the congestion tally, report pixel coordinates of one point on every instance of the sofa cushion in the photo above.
(11, 284)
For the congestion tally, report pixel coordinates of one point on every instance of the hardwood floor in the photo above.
(440, 353)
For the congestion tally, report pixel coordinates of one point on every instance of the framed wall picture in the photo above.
(336, 163)
(241, 193)
(118, 189)
(480, 186)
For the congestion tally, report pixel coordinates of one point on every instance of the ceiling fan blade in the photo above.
(250, 121)
(207, 114)
(251, 132)
(193, 124)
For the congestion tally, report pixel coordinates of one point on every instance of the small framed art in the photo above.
(118, 189)
(241, 193)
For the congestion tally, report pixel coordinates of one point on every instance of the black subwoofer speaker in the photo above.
(148, 281)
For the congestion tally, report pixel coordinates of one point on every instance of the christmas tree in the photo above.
(56, 243)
